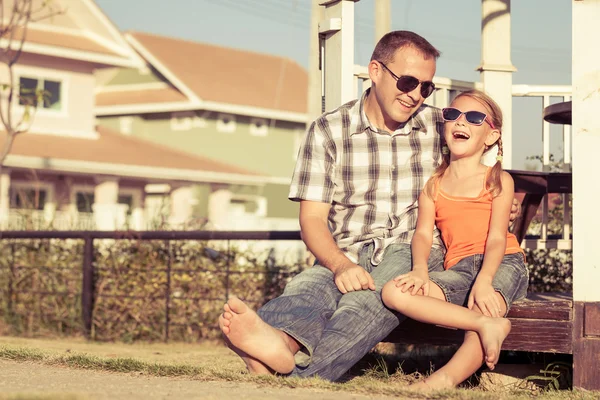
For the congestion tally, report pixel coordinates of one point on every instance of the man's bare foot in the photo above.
(246, 332)
(253, 366)
(492, 334)
(436, 381)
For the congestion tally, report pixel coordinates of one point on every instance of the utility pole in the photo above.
(383, 18)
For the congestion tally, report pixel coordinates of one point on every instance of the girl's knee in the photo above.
(392, 296)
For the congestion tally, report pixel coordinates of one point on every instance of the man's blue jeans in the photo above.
(338, 330)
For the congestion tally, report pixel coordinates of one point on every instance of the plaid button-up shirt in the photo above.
(372, 179)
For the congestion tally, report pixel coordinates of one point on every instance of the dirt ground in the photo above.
(30, 379)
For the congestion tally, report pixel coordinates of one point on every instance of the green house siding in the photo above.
(278, 204)
(130, 76)
(271, 155)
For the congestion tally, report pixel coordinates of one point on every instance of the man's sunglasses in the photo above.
(472, 117)
(407, 83)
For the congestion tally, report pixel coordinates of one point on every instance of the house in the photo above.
(68, 173)
(241, 108)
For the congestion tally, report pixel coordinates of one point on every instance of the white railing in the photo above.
(447, 89)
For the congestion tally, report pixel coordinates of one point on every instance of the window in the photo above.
(84, 201)
(259, 127)
(28, 199)
(186, 120)
(226, 123)
(44, 93)
(241, 205)
(126, 199)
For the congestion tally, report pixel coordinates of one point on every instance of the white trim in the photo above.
(131, 87)
(56, 51)
(158, 173)
(90, 135)
(259, 127)
(43, 74)
(542, 90)
(226, 123)
(161, 68)
(124, 50)
(114, 32)
(203, 105)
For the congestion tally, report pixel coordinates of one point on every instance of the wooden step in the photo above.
(541, 323)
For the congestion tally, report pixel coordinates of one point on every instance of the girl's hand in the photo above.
(484, 295)
(415, 279)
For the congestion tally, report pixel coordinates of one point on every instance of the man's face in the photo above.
(398, 106)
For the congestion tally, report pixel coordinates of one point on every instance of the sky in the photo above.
(541, 45)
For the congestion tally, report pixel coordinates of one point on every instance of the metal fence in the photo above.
(89, 268)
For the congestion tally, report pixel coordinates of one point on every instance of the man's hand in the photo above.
(352, 278)
(515, 210)
(484, 295)
(414, 281)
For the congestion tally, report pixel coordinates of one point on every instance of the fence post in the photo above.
(168, 291)
(87, 287)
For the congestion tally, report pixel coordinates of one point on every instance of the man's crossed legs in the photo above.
(312, 328)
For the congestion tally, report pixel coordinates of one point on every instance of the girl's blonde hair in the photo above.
(494, 180)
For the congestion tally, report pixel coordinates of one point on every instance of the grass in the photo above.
(214, 362)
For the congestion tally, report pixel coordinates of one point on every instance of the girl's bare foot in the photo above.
(492, 334)
(247, 333)
(436, 381)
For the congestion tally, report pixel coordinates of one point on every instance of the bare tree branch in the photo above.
(13, 34)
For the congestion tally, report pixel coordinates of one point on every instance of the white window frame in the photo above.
(186, 120)
(77, 188)
(136, 196)
(181, 120)
(259, 127)
(45, 186)
(226, 127)
(41, 75)
(261, 203)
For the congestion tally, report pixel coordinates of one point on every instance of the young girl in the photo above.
(484, 267)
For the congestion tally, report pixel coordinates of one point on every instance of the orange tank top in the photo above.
(464, 223)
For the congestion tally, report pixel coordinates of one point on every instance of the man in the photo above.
(358, 177)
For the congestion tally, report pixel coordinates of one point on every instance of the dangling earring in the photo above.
(445, 149)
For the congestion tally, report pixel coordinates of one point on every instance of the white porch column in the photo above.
(108, 215)
(181, 205)
(338, 29)
(137, 220)
(218, 208)
(4, 198)
(586, 219)
(496, 67)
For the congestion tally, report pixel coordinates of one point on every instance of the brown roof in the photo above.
(115, 148)
(149, 96)
(62, 39)
(231, 76)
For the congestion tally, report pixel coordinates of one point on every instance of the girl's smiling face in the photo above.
(465, 139)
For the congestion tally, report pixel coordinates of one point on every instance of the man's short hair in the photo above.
(391, 42)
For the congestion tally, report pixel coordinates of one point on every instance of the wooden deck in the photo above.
(543, 323)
